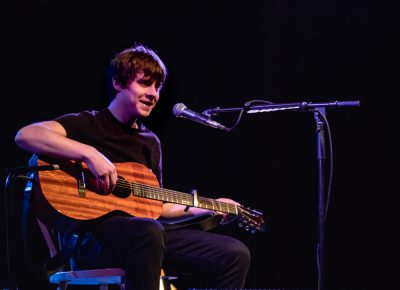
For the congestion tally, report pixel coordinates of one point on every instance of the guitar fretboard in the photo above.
(172, 196)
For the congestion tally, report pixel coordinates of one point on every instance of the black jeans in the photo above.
(141, 246)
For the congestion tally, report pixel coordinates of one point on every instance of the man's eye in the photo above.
(145, 82)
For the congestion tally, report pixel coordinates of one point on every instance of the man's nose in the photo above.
(152, 91)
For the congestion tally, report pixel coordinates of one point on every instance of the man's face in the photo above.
(140, 97)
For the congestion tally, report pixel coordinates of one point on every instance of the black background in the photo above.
(54, 57)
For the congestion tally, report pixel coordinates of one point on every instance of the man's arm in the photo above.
(171, 210)
(49, 138)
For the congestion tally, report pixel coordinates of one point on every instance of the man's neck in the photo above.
(123, 118)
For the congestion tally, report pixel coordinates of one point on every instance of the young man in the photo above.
(101, 139)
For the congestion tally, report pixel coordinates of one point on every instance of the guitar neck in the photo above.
(172, 196)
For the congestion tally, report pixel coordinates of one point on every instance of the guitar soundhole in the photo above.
(122, 188)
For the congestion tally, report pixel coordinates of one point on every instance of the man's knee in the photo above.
(239, 254)
(150, 231)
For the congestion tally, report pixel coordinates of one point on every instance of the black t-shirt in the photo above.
(115, 140)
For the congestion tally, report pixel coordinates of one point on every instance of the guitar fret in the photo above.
(225, 207)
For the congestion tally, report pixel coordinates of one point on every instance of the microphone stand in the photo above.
(319, 110)
(9, 217)
(321, 156)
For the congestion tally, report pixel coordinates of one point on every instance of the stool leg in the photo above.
(62, 285)
(164, 283)
(103, 287)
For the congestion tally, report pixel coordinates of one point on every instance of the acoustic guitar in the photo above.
(68, 196)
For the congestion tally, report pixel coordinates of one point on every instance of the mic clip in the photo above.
(211, 112)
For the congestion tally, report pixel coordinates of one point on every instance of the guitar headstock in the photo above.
(251, 220)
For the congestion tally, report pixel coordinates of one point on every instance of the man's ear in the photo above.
(116, 85)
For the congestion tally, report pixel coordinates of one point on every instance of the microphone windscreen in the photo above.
(178, 109)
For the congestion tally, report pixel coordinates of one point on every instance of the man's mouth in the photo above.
(147, 103)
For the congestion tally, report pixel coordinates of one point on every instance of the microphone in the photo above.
(180, 110)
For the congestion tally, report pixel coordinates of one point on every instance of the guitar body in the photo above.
(60, 201)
